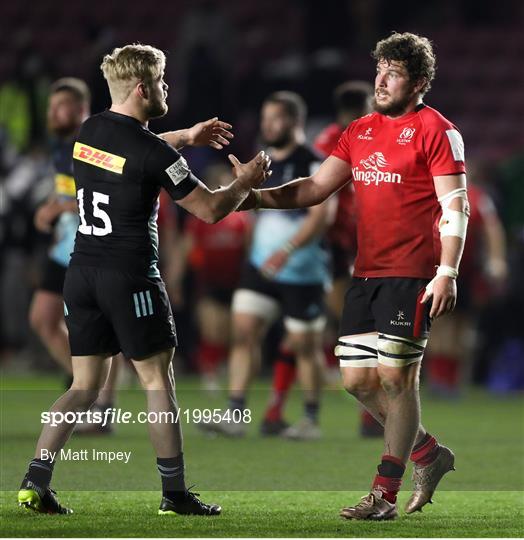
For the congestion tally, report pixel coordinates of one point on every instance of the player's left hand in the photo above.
(444, 297)
(274, 263)
(212, 132)
(46, 215)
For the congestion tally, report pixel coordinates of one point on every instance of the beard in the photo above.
(278, 142)
(393, 108)
(156, 108)
(63, 129)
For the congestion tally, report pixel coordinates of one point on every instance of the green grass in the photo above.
(268, 487)
(266, 514)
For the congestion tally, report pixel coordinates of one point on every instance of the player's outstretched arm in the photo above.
(212, 206)
(303, 192)
(212, 132)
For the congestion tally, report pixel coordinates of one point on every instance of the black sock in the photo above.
(390, 468)
(172, 473)
(311, 409)
(237, 404)
(40, 472)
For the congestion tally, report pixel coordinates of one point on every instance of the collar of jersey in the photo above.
(123, 118)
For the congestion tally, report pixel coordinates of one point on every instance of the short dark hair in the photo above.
(294, 105)
(77, 87)
(415, 51)
(352, 97)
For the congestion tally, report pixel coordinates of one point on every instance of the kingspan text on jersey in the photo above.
(375, 177)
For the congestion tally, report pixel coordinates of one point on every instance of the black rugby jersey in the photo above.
(120, 167)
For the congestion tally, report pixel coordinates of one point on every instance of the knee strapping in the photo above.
(357, 351)
(397, 351)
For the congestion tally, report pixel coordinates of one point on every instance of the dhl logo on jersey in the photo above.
(65, 185)
(98, 158)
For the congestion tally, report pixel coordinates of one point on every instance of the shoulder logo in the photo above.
(406, 135)
(178, 170)
(98, 158)
(366, 136)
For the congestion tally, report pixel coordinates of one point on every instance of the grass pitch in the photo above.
(268, 487)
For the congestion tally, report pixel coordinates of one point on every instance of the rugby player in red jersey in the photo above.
(406, 162)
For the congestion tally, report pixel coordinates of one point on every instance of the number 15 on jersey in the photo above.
(99, 213)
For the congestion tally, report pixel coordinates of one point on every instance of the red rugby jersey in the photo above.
(342, 232)
(219, 250)
(393, 162)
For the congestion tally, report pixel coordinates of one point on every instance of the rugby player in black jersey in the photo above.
(114, 297)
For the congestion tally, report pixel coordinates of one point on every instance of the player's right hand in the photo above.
(255, 172)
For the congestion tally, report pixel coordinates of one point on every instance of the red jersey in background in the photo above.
(342, 232)
(218, 250)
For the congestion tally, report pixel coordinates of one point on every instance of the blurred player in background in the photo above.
(286, 274)
(449, 354)
(352, 100)
(68, 107)
(407, 164)
(114, 297)
(215, 254)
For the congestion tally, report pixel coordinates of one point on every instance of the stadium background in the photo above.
(223, 59)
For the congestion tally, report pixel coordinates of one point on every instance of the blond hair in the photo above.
(129, 65)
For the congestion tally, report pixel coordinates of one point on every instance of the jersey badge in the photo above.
(178, 170)
(406, 136)
(366, 136)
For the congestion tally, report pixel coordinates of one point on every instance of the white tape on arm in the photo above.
(453, 222)
(442, 270)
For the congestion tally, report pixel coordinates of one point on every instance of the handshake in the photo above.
(253, 173)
